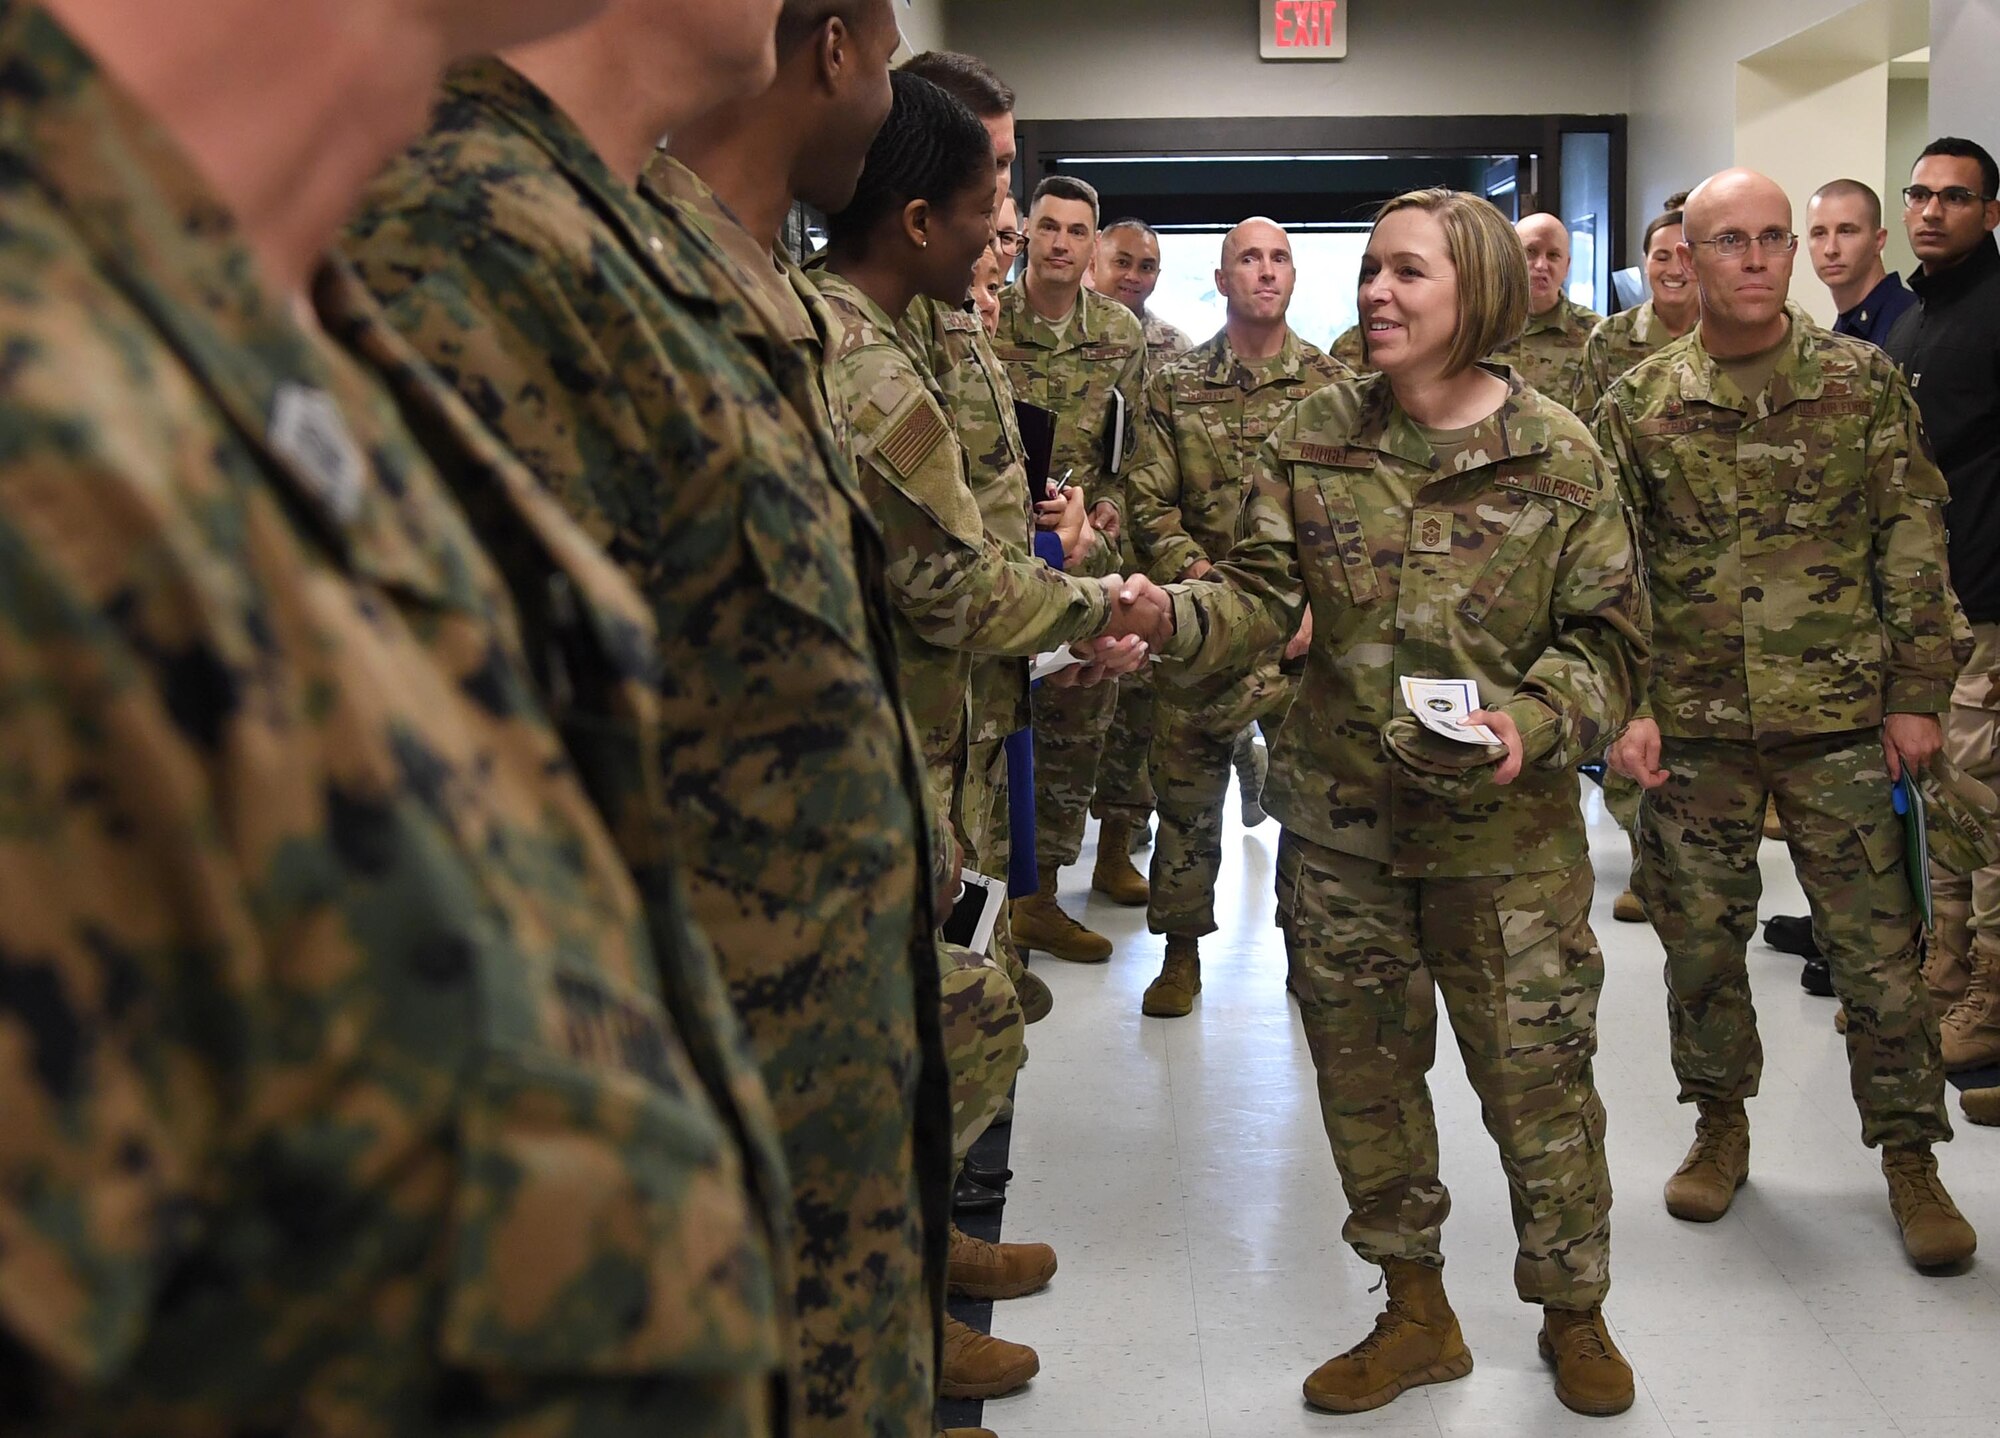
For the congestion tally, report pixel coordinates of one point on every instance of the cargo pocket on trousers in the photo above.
(1554, 970)
(601, 1223)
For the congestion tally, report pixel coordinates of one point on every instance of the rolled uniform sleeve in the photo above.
(1920, 615)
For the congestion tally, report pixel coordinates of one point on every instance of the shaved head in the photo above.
(1545, 241)
(1742, 295)
(1715, 201)
(1255, 231)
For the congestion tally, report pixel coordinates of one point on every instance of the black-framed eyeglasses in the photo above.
(1009, 240)
(1954, 197)
(1733, 244)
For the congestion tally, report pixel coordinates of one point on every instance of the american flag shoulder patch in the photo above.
(911, 439)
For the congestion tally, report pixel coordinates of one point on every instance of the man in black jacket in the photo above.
(1949, 346)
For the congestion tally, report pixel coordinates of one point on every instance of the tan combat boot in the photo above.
(1416, 1340)
(1705, 1184)
(1592, 1376)
(1041, 923)
(978, 1365)
(1171, 995)
(1946, 976)
(1627, 909)
(979, 1269)
(968, 1433)
(1036, 1000)
(1114, 877)
(1969, 1035)
(1981, 1105)
(1935, 1233)
(1774, 827)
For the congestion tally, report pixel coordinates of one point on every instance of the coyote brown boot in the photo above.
(1416, 1340)
(1627, 909)
(1171, 995)
(1969, 1035)
(980, 1269)
(1703, 1187)
(1041, 923)
(1935, 1233)
(1774, 827)
(1945, 975)
(1592, 1376)
(978, 1365)
(1036, 1000)
(1114, 877)
(1981, 1105)
(969, 1433)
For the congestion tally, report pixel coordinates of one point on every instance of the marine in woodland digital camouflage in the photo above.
(1549, 353)
(1515, 570)
(609, 343)
(1794, 542)
(1210, 413)
(955, 590)
(361, 1071)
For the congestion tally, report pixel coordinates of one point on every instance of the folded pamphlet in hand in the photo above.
(1443, 706)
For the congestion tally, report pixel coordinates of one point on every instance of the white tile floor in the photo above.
(1180, 1170)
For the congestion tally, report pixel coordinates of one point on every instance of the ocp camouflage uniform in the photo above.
(985, 1040)
(1514, 569)
(361, 1070)
(1165, 343)
(1210, 413)
(608, 343)
(1617, 343)
(1351, 350)
(1549, 353)
(1103, 350)
(1795, 550)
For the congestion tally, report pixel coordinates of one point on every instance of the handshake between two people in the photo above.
(1140, 620)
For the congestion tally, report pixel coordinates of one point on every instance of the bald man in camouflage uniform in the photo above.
(1549, 353)
(607, 340)
(362, 1071)
(1210, 413)
(1073, 366)
(1792, 525)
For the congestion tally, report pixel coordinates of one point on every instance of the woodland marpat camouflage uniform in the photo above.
(608, 342)
(1794, 547)
(361, 1071)
(1512, 566)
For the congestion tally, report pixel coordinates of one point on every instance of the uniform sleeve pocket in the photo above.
(600, 1224)
(1554, 970)
(1346, 541)
(802, 543)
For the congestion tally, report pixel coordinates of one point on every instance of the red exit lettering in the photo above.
(1304, 24)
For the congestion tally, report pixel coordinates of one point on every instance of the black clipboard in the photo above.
(1038, 439)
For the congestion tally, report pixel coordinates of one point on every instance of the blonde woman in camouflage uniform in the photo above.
(1444, 521)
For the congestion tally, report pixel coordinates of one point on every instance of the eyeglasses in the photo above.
(1954, 197)
(1009, 241)
(1732, 244)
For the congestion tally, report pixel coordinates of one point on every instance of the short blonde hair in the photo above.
(1492, 270)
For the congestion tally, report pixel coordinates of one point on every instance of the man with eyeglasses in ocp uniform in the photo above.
(1949, 347)
(1791, 524)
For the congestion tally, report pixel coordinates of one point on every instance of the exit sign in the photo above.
(1304, 29)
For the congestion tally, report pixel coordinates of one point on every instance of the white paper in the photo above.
(1053, 662)
(1442, 706)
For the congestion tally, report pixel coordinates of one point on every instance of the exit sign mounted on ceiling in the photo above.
(1304, 29)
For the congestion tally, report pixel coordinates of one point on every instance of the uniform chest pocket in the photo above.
(1683, 471)
(600, 1223)
(1817, 474)
(797, 534)
(1344, 543)
(1511, 591)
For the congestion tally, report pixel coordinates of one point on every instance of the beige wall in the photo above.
(1909, 132)
(1093, 59)
(923, 23)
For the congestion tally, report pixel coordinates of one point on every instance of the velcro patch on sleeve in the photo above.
(911, 439)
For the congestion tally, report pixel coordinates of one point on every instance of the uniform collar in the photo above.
(1947, 285)
(1871, 303)
(1567, 316)
(1221, 367)
(1514, 431)
(1800, 374)
(668, 185)
(1087, 322)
